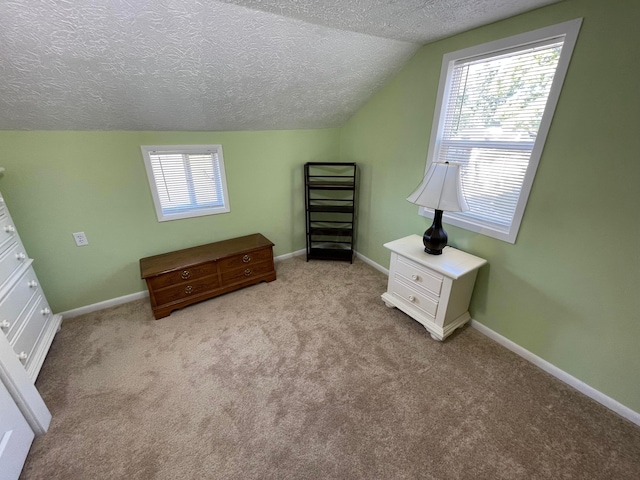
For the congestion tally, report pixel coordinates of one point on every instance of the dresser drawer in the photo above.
(7, 229)
(418, 276)
(247, 259)
(15, 301)
(187, 274)
(186, 290)
(13, 326)
(11, 259)
(36, 318)
(3, 208)
(415, 298)
(250, 271)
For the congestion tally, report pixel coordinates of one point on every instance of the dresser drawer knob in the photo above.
(20, 256)
(5, 324)
(45, 311)
(247, 272)
(185, 274)
(188, 289)
(415, 278)
(9, 228)
(246, 259)
(22, 356)
(32, 283)
(412, 298)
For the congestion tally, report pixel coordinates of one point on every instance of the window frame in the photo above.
(185, 149)
(569, 30)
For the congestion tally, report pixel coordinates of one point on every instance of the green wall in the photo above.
(568, 290)
(57, 183)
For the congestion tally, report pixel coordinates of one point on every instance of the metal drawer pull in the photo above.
(45, 311)
(185, 274)
(9, 228)
(32, 283)
(5, 324)
(412, 298)
(246, 259)
(247, 272)
(415, 278)
(20, 256)
(188, 289)
(22, 356)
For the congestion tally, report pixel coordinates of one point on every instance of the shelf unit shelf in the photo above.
(330, 205)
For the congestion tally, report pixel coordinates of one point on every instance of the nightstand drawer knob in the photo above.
(185, 274)
(188, 289)
(32, 283)
(20, 256)
(45, 311)
(5, 324)
(246, 259)
(247, 272)
(412, 298)
(415, 278)
(22, 356)
(9, 228)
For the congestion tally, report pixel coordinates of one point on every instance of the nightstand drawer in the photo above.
(187, 274)
(186, 290)
(245, 259)
(414, 298)
(419, 276)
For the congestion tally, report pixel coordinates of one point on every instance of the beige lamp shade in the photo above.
(441, 189)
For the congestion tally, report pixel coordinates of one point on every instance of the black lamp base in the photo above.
(435, 238)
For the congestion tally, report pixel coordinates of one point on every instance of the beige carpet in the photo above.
(309, 377)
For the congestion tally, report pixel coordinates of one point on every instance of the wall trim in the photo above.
(570, 380)
(102, 305)
(287, 256)
(375, 265)
(561, 375)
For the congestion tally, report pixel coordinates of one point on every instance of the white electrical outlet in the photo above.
(80, 238)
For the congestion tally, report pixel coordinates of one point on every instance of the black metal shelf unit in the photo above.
(330, 204)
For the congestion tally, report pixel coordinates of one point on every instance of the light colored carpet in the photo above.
(309, 377)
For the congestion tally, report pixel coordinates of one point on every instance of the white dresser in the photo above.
(25, 316)
(433, 289)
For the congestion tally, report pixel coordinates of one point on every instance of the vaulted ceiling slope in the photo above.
(213, 65)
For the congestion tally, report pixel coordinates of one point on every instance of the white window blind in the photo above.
(494, 111)
(186, 181)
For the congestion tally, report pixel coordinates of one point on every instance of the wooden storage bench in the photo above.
(181, 278)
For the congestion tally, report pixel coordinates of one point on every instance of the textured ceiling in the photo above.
(207, 65)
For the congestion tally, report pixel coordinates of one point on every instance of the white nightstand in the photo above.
(433, 289)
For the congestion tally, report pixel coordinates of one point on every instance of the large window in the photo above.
(186, 180)
(494, 108)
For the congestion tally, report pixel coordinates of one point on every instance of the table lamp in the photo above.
(441, 190)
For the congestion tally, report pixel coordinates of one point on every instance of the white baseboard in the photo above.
(375, 265)
(286, 256)
(102, 305)
(570, 380)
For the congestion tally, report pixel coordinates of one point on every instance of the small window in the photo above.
(186, 180)
(494, 108)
